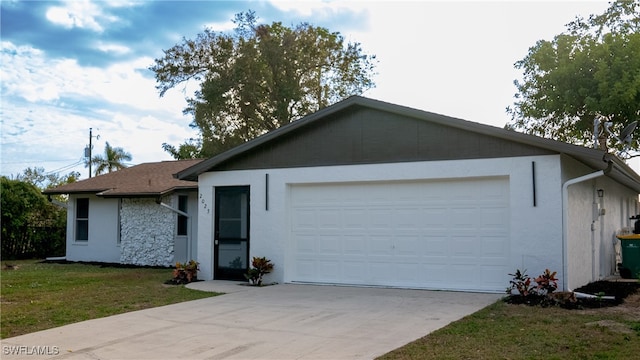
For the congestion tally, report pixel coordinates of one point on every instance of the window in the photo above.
(82, 219)
(182, 220)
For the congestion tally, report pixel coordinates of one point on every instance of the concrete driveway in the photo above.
(274, 322)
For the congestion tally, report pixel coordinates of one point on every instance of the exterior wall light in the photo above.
(600, 193)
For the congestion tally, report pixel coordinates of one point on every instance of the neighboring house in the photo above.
(369, 193)
(139, 215)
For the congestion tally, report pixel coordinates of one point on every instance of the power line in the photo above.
(65, 167)
(35, 160)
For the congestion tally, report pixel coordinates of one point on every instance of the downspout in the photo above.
(565, 216)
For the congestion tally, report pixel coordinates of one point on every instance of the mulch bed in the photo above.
(618, 289)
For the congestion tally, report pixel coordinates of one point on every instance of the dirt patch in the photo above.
(629, 308)
(612, 325)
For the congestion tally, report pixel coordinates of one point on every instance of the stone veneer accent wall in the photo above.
(147, 232)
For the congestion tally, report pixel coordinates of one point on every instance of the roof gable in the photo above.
(144, 180)
(361, 135)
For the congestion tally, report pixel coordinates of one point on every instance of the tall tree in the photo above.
(590, 70)
(112, 160)
(40, 178)
(259, 78)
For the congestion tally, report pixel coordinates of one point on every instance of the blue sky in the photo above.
(68, 66)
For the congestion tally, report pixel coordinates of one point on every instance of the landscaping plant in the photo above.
(530, 291)
(521, 282)
(546, 283)
(185, 273)
(260, 267)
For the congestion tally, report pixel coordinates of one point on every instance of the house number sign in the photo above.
(204, 204)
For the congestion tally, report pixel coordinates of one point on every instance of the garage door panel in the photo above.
(355, 272)
(407, 245)
(437, 246)
(304, 219)
(429, 234)
(329, 270)
(464, 246)
(380, 272)
(306, 244)
(329, 245)
(435, 274)
(354, 218)
(328, 218)
(462, 274)
(379, 218)
(380, 244)
(354, 244)
(434, 218)
(306, 269)
(490, 274)
(408, 272)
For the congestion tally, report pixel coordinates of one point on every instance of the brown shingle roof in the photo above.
(144, 180)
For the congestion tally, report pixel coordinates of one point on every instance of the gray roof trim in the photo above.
(596, 159)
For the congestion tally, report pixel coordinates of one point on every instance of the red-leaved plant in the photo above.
(546, 283)
(261, 266)
(185, 273)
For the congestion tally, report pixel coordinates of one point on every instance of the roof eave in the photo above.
(73, 192)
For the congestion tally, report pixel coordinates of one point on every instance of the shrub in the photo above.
(521, 282)
(527, 293)
(260, 267)
(546, 283)
(185, 273)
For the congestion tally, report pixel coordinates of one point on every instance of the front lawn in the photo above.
(509, 331)
(36, 296)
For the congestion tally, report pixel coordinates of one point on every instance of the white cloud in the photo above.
(82, 14)
(36, 78)
(112, 48)
(25, 74)
(48, 106)
(221, 26)
(314, 8)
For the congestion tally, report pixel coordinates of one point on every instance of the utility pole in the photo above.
(87, 150)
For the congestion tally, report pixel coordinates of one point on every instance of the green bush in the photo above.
(32, 227)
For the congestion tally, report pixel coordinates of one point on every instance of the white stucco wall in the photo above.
(102, 245)
(147, 233)
(536, 231)
(591, 241)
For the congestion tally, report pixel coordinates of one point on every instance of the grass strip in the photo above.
(38, 296)
(506, 331)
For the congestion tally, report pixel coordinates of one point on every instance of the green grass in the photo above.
(40, 296)
(504, 331)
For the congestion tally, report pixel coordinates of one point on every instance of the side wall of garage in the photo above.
(592, 247)
(534, 226)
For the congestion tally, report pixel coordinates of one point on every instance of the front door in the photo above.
(231, 242)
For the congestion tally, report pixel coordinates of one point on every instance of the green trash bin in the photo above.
(630, 246)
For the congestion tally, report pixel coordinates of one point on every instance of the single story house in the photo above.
(369, 193)
(138, 215)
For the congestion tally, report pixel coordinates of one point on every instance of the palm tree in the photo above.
(111, 161)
